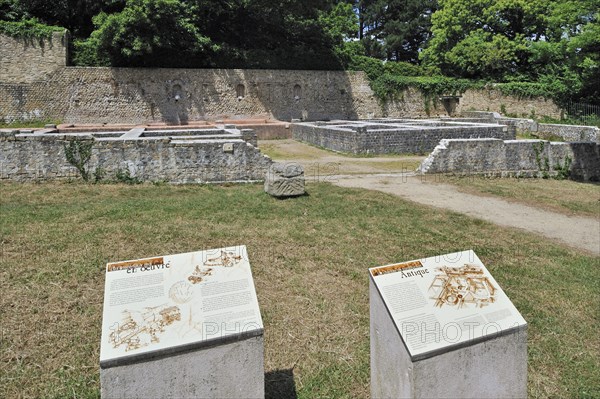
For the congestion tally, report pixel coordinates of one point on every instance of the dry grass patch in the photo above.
(321, 163)
(309, 257)
(289, 149)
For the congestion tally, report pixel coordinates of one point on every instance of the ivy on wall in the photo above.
(389, 80)
(28, 29)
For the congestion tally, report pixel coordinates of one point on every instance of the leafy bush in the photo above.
(559, 89)
(85, 53)
(403, 69)
(124, 176)
(371, 66)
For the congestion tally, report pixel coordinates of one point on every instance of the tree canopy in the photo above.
(508, 40)
(555, 43)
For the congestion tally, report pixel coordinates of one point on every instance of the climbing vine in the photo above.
(389, 83)
(28, 28)
(562, 169)
(78, 154)
(543, 164)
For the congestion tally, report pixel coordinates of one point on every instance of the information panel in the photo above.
(165, 302)
(444, 301)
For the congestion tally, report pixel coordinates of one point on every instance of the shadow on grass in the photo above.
(292, 197)
(279, 384)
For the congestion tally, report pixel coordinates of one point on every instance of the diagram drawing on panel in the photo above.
(225, 259)
(142, 328)
(464, 286)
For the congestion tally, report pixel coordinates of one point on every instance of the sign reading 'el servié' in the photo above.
(165, 302)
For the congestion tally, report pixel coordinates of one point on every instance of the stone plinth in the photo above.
(185, 325)
(442, 327)
(285, 180)
(228, 370)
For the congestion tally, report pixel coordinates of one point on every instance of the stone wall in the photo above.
(26, 157)
(565, 132)
(131, 95)
(391, 137)
(493, 100)
(514, 158)
(35, 84)
(571, 132)
(26, 60)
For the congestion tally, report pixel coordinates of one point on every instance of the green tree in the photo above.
(407, 27)
(148, 33)
(12, 10)
(586, 48)
(482, 38)
(509, 39)
(395, 29)
(341, 25)
(272, 34)
(75, 15)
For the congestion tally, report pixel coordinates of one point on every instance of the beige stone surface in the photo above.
(27, 60)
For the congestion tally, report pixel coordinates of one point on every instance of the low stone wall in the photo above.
(571, 132)
(158, 157)
(391, 136)
(566, 132)
(526, 158)
(522, 125)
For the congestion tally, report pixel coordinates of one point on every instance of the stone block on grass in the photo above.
(285, 180)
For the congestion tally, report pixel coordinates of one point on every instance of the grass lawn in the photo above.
(564, 196)
(309, 257)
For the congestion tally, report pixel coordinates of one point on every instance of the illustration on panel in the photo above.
(225, 259)
(464, 286)
(140, 329)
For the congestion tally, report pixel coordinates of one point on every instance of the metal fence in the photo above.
(587, 113)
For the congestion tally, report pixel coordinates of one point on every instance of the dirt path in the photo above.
(395, 175)
(579, 232)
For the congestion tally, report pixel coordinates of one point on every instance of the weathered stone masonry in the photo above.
(566, 132)
(203, 156)
(525, 158)
(27, 60)
(35, 84)
(391, 136)
(131, 95)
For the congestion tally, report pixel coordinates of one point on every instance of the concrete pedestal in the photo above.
(182, 326)
(489, 364)
(228, 370)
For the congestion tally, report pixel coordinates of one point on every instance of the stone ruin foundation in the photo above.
(210, 155)
(393, 136)
(516, 158)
